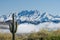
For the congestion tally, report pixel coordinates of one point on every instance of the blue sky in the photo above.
(50, 6)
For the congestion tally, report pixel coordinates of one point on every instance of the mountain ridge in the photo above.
(33, 17)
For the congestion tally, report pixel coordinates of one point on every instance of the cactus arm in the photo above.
(10, 27)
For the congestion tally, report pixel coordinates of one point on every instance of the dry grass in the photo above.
(41, 35)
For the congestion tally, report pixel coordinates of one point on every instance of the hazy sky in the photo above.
(50, 6)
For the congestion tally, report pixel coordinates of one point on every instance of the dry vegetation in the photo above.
(41, 35)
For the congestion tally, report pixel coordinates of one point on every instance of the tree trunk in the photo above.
(13, 36)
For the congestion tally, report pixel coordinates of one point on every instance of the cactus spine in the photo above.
(13, 27)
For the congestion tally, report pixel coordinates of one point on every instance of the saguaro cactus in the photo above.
(13, 27)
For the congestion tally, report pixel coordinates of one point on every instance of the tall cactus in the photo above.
(13, 27)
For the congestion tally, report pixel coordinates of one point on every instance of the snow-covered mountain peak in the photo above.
(29, 15)
(45, 14)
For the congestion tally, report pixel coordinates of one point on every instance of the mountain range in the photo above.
(32, 17)
(33, 20)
